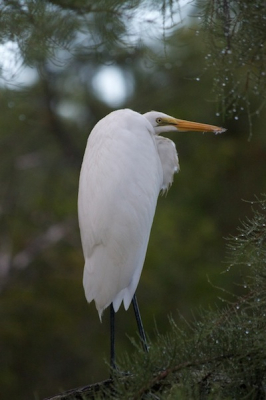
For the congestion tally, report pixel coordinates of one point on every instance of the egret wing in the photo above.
(120, 180)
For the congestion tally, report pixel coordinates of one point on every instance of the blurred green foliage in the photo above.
(50, 338)
(235, 39)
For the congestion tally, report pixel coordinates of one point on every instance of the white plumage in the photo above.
(125, 166)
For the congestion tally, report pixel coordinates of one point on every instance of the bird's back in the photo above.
(120, 180)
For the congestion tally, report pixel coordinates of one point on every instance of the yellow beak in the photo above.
(182, 125)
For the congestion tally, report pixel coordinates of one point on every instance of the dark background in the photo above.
(50, 338)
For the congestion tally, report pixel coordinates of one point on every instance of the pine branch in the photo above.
(165, 373)
(80, 393)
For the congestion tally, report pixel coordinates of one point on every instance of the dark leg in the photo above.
(112, 333)
(139, 323)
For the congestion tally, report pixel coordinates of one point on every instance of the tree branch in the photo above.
(80, 393)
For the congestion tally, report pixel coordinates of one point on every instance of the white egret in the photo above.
(125, 166)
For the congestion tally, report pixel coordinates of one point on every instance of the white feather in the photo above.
(125, 166)
(120, 180)
(169, 160)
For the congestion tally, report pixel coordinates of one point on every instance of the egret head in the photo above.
(164, 123)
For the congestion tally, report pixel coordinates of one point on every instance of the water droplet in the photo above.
(217, 114)
(236, 117)
(197, 79)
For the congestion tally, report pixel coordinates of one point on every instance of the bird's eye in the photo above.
(159, 120)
